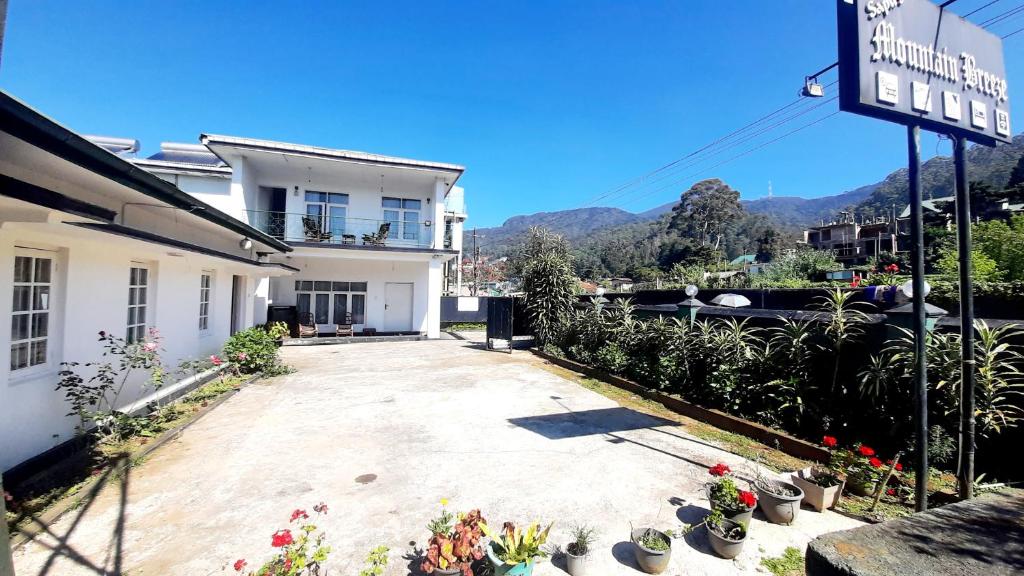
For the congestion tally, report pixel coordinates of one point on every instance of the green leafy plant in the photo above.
(791, 563)
(652, 540)
(725, 494)
(717, 522)
(277, 330)
(303, 553)
(514, 546)
(97, 400)
(376, 562)
(545, 266)
(454, 546)
(583, 538)
(254, 350)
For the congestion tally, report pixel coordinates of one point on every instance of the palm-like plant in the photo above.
(999, 382)
(846, 323)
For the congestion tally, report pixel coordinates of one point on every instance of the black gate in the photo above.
(499, 321)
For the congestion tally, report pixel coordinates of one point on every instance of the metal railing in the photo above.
(322, 229)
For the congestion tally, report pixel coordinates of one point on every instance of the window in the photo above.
(30, 313)
(204, 300)
(138, 287)
(826, 235)
(332, 302)
(404, 216)
(329, 210)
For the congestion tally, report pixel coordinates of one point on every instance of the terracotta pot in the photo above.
(819, 497)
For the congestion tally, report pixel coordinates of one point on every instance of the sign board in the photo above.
(468, 304)
(911, 62)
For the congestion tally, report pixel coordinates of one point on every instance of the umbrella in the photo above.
(730, 300)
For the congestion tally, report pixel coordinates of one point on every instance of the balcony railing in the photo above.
(322, 229)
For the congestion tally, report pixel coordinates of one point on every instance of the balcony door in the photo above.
(329, 210)
(404, 216)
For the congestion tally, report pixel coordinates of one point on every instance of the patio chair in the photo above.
(344, 329)
(378, 238)
(313, 231)
(307, 326)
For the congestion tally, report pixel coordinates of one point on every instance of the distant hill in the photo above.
(989, 165)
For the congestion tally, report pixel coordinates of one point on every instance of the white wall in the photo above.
(425, 277)
(91, 294)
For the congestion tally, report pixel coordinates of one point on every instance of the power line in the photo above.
(979, 9)
(1017, 31)
(732, 145)
(1002, 16)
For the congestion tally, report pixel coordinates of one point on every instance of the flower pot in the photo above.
(501, 568)
(860, 485)
(450, 571)
(777, 508)
(575, 565)
(723, 546)
(651, 561)
(819, 497)
(739, 514)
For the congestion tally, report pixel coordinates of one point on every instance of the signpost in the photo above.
(914, 63)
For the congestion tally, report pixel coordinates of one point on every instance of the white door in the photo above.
(397, 307)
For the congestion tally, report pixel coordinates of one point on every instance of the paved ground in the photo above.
(428, 420)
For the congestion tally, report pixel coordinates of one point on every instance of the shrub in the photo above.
(254, 351)
(611, 359)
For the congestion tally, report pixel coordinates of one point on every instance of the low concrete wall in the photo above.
(780, 440)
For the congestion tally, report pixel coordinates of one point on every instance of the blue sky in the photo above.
(548, 104)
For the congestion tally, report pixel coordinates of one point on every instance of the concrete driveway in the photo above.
(381, 432)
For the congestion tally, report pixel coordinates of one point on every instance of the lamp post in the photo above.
(688, 308)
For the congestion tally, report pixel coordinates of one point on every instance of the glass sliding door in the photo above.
(404, 216)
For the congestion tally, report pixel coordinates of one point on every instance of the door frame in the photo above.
(412, 300)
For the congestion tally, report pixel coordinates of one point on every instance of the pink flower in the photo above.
(320, 508)
(240, 564)
(149, 346)
(216, 360)
(299, 514)
(242, 356)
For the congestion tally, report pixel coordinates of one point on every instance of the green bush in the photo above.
(611, 358)
(254, 351)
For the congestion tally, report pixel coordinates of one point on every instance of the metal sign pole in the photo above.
(920, 329)
(963, 230)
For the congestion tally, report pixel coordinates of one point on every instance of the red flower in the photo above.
(747, 498)
(239, 565)
(320, 508)
(891, 491)
(856, 282)
(892, 268)
(829, 441)
(899, 467)
(719, 470)
(865, 451)
(875, 462)
(298, 514)
(282, 538)
(215, 360)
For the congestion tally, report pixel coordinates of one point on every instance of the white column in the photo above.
(260, 300)
(434, 281)
(437, 217)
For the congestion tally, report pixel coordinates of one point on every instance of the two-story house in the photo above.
(372, 235)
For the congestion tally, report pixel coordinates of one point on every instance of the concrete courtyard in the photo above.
(381, 432)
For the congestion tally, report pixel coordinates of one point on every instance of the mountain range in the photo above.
(989, 165)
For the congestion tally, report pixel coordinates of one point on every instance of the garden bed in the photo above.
(780, 440)
(40, 498)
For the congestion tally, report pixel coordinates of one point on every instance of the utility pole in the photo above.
(476, 264)
(967, 379)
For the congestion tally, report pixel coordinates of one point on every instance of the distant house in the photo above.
(744, 260)
(854, 242)
(935, 205)
(621, 284)
(587, 287)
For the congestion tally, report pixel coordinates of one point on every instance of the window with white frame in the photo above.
(205, 284)
(30, 313)
(138, 298)
(328, 211)
(404, 216)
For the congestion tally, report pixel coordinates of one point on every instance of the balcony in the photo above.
(341, 231)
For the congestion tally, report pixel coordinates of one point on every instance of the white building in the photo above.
(90, 242)
(376, 238)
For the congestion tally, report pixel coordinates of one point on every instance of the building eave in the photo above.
(25, 123)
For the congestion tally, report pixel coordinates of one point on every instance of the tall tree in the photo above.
(545, 266)
(706, 211)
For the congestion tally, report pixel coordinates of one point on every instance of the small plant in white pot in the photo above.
(577, 552)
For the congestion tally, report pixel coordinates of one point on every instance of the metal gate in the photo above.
(499, 321)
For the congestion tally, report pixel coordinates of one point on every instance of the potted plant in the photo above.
(577, 552)
(725, 496)
(653, 549)
(780, 501)
(514, 551)
(822, 486)
(861, 466)
(454, 543)
(726, 537)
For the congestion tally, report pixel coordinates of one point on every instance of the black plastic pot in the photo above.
(738, 515)
(777, 508)
(651, 561)
(724, 547)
